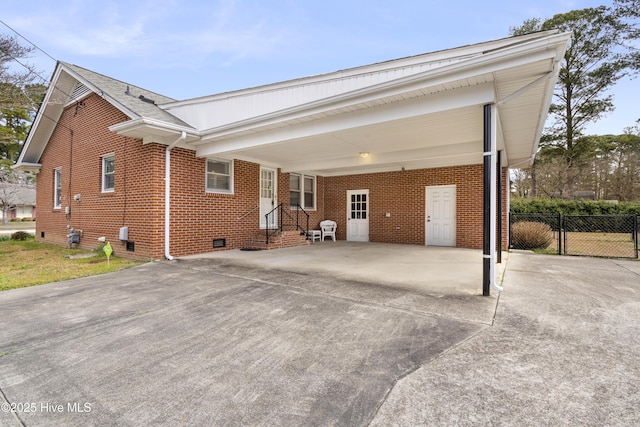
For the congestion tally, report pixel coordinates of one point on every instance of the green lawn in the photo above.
(29, 263)
(614, 245)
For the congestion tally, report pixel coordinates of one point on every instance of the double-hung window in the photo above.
(57, 188)
(302, 191)
(219, 176)
(108, 173)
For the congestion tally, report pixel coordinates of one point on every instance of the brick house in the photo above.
(18, 202)
(399, 152)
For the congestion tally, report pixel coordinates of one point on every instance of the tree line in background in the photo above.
(603, 49)
(20, 98)
(603, 167)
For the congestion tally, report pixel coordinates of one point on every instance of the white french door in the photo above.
(268, 197)
(358, 215)
(441, 215)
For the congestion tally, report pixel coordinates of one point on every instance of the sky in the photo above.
(189, 48)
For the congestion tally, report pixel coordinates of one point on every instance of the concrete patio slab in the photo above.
(451, 276)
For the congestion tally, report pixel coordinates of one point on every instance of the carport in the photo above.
(479, 104)
(448, 274)
(482, 104)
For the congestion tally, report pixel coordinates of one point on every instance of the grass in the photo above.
(600, 244)
(29, 263)
(613, 245)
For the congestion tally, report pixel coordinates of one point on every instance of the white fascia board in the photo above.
(52, 108)
(42, 113)
(550, 89)
(461, 53)
(512, 56)
(27, 167)
(459, 98)
(147, 125)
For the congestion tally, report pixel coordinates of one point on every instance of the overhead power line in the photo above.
(28, 41)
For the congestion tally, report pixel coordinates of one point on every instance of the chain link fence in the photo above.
(613, 236)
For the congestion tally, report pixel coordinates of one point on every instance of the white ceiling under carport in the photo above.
(431, 119)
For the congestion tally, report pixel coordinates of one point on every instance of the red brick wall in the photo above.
(139, 169)
(402, 195)
(198, 217)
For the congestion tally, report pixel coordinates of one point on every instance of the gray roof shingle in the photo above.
(129, 96)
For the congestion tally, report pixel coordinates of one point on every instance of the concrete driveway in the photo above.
(563, 351)
(217, 342)
(223, 341)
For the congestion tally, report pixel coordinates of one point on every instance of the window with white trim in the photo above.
(219, 176)
(302, 190)
(108, 173)
(57, 188)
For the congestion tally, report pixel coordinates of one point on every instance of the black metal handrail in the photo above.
(282, 215)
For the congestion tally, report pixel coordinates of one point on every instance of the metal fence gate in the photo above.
(613, 236)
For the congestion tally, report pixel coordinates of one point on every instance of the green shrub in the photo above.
(531, 235)
(27, 219)
(21, 235)
(15, 220)
(574, 207)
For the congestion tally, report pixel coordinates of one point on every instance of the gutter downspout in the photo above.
(167, 194)
(494, 196)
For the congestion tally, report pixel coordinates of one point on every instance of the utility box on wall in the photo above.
(124, 233)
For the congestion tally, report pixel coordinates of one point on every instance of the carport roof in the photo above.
(416, 112)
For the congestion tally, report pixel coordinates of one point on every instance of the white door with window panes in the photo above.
(268, 201)
(358, 215)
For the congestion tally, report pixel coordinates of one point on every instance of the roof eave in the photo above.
(150, 130)
(27, 167)
(477, 65)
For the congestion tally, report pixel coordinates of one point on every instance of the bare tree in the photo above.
(19, 97)
(12, 58)
(9, 188)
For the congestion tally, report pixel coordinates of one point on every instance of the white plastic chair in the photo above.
(328, 229)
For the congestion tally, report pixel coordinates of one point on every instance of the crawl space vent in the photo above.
(219, 243)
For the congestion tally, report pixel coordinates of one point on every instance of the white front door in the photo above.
(441, 215)
(268, 200)
(358, 215)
